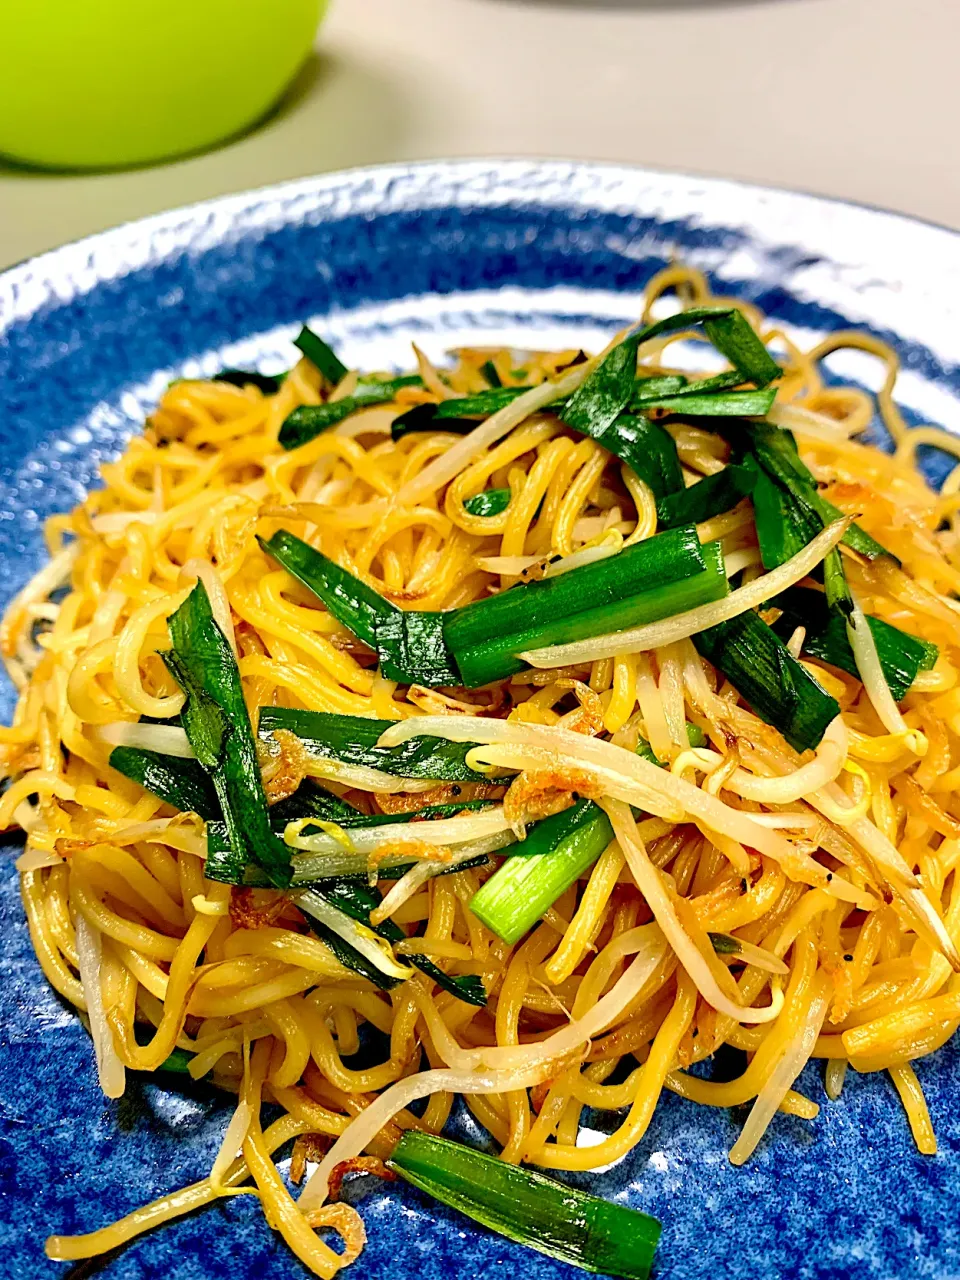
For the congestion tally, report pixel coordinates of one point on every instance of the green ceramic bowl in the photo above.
(98, 83)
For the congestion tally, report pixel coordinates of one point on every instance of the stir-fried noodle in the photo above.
(792, 903)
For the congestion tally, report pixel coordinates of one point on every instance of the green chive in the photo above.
(552, 858)
(667, 384)
(902, 655)
(647, 448)
(732, 404)
(218, 727)
(491, 502)
(460, 414)
(178, 1062)
(707, 498)
(309, 420)
(523, 1205)
(769, 678)
(608, 390)
(353, 740)
(265, 382)
(184, 784)
(348, 956)
(357, 899)
(410, 645)
(486, 637)
(489, 371)
(775, 452)
(320, 355)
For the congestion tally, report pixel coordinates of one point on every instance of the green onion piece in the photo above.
(184, 784)
(320, 355)
(223, 864)
(731, 404)
(266, 382)
(786, 512)
(695, 735)
(647, 448)
(467, 987)
(489, 371)
(357, 899)
(603, 396)
(218, 727)
(784, 526)
(764, 672)
(486, 636)
(902, 655)
(178, 1062)
(226, 864)
(356, 820)
(665, 558)
(479, 405)
(460, 414)
(695, 738)
(410, 645)
(719, 382)
(358, 607)
(558, 851)
(423, 417)
(787, 519)
(310, 800)
(775, 451)
(856, 538)
(523, 1205)
(667, 384)
(353, 740)
(707, 498)
(491, 502)
(309, 420)
(319, 869)
(348, 956)
(412, 648)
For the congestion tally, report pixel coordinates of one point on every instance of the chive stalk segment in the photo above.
(555, 854)
(491, 502)
(410, 644)
(706, 498)
(530, 1208)
(353, 740)
(357, 899)
(218, 727)
(321, 355)
(485, 636)
(267, 383)
(767, 676)
(902, 656)
(308, 420)
(604, 395)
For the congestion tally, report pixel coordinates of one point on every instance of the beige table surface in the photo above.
(852, 98)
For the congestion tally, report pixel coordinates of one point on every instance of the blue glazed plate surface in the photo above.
(536, 254)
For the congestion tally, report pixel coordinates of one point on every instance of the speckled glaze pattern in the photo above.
(444, 253)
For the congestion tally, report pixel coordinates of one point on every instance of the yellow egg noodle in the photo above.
(740, 837)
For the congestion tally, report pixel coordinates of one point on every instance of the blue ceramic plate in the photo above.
(542, 254)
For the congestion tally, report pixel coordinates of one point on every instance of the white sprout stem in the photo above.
(443, 469)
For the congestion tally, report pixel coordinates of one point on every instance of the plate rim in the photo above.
(235, 201)
(51, 265)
